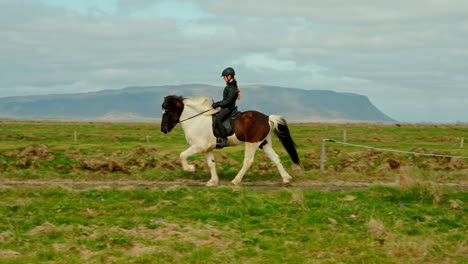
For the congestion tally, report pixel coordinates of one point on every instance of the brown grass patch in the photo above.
(63, 247)
(376, 228)
(33, 152)
(43, 229)
(456, 204)
(204, 235)
(409, 249)
(4, 236)
(297, 198)
(139, 248)
(9, 254)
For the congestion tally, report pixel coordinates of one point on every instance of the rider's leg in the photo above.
(222, 133)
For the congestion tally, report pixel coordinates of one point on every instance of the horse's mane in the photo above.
(201, 103)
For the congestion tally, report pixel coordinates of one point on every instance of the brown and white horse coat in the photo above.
(252, 127)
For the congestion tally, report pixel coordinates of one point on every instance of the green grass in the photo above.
(416, 224)
(420, 222)
(124, 148)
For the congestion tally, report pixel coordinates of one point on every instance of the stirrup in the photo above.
(221, 142)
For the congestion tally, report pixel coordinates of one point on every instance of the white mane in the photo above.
(198, 103)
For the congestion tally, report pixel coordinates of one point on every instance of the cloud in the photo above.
(403, 55)
(135, 4)
(359, 11)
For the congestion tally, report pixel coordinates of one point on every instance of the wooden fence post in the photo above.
(397, 179)
(344, 135)
(147, 139)
(75, 136)
(322, 157)
(461, 142)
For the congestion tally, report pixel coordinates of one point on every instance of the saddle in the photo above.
(228, 123)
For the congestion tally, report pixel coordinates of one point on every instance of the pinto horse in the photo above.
(254, 128)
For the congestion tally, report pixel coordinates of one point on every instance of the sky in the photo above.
(409, 57)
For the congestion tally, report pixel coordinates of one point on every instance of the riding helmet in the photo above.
(228, 71)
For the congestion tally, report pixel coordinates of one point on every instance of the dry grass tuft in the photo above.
(9, 254)
(139, 248)
(426, 190)
(4, 236)
(348, 197)
(456, 204)
(297, 197)
(408, 175)
(376, 228)
(63, 247)
(43, 229)
(405, 247)
(33, 152)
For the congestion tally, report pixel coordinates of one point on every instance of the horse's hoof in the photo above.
(286, 184)
(287, 178)
(190, 168)
(235, 183)
(211, 184)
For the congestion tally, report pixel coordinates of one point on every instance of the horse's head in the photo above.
(172, 109)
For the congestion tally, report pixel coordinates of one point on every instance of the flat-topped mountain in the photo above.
(144, 104)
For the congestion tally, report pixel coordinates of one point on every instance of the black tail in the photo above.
(282, 131)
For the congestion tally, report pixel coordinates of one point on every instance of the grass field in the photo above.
(419, 221)
(39, 150)
(422, 223)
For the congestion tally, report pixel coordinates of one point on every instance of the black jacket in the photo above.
(229, 96)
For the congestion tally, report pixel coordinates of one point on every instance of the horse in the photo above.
(254, 128)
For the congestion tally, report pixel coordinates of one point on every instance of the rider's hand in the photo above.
(215, 105)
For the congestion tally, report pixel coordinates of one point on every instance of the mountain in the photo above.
(144, 104)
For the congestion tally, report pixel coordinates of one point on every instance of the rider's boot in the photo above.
(221, 142)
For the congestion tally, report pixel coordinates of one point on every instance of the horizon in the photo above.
(252, 86)
(116, 115)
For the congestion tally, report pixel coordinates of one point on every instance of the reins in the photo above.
(193, 116)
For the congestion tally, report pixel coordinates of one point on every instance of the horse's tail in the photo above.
(280, 126)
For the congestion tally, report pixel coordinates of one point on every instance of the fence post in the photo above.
(344, 135)
(397, 179)
(75, 136)
(461, 142)
(322, 157)
(147, 139)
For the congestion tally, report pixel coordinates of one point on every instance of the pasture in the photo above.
(73, 192)
(121, 151)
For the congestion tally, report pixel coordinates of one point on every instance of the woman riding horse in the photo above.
(194, 114)
(228, 105)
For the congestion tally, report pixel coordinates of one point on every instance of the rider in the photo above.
(228, 105)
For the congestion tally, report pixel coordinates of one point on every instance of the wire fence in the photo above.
(323, 151)
(340, 137)
(392, 150)
(75, 136)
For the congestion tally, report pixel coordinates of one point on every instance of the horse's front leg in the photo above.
(250, 149)
(214, 180)
(192, 150)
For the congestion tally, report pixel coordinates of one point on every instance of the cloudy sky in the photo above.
(409, 57)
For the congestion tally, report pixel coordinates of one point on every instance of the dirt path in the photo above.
(139, 184)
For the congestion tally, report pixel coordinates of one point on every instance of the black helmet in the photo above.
(228, 71)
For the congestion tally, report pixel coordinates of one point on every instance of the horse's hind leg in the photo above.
(250, 149)
(214, 180)
(270, 152)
